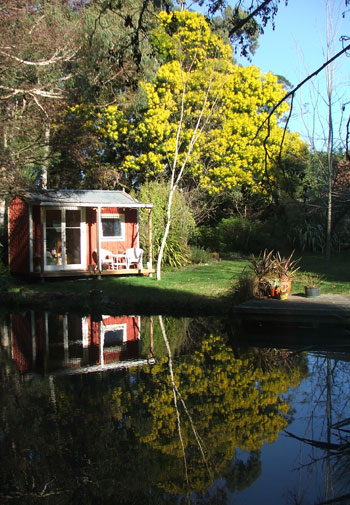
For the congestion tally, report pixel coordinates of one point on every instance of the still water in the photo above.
(154, 410)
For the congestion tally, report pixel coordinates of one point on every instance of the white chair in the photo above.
(107, 259)
(133, 256)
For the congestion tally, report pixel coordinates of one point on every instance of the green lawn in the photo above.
(336, 273)
(195, 289)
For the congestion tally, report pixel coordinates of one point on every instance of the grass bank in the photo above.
(194, 290)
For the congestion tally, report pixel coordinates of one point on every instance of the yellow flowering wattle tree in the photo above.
(203, 115)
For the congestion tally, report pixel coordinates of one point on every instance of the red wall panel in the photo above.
(19, 236)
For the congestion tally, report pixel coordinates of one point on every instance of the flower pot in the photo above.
(285, 286)
(312, 292)
(274, 291)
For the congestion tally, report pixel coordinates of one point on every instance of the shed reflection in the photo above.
(49, 343)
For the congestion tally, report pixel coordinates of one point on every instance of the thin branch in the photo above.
(33, 91)
(294, 90)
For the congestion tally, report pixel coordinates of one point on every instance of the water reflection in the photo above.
(50, 343)
(191, 421)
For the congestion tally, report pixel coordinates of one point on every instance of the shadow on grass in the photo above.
(112, 297)
(335, 270)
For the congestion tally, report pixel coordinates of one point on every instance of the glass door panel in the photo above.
(63, 239)
(73, 235)
(53, 253)
(73, 254)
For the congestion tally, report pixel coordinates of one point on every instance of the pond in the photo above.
(156, 410)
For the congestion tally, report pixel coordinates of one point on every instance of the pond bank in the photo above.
(331, 308)
(96, 301)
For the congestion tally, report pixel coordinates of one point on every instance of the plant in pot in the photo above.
(286, 269)
(312, 284)
(274, 273)
(264, 269)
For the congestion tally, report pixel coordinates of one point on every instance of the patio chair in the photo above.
(133, 256)
(107, 259)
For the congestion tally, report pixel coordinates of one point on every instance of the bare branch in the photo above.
(294, 90)
(55, 58)
(32, 92)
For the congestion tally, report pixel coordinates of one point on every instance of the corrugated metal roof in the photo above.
(88, 197)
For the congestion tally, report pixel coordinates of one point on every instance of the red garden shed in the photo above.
(56, 233)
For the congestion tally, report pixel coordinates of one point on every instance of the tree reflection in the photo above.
(113, 437)
(231, 404)
(327, 429)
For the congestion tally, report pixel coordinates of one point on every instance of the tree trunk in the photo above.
(46, 157)
(330, 140)
(166, 232)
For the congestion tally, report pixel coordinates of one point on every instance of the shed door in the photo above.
(63, 239)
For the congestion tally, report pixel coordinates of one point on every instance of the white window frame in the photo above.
(111, 238)
(110, 327)
(75, 266)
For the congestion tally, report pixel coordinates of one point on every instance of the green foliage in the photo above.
(238, 234)
(200, 255)
(4, 272)
(177, 330)
(308, 236)
(310, 280)
(177, 252)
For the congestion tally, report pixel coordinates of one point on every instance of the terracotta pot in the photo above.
(286, 286)
(274, 292)
(312, 292)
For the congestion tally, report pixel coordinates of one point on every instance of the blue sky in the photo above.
(296, 48)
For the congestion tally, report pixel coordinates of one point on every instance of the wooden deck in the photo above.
(297, 307)
(322, 322)
(94, 273)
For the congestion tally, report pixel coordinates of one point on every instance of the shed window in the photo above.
(112, 226)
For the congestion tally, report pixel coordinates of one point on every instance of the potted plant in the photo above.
(286, 269)
(312, 284)
(274, 273)
(263, 268)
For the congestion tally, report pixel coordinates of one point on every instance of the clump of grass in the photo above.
(244, 287)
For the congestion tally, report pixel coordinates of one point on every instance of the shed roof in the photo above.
(84, 198)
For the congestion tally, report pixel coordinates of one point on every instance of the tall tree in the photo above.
(115, 53)
(38, 41)
(323, 124)
(203, 113)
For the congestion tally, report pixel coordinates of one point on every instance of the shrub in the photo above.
(177, 251)
(237, 234)
(200, 255)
